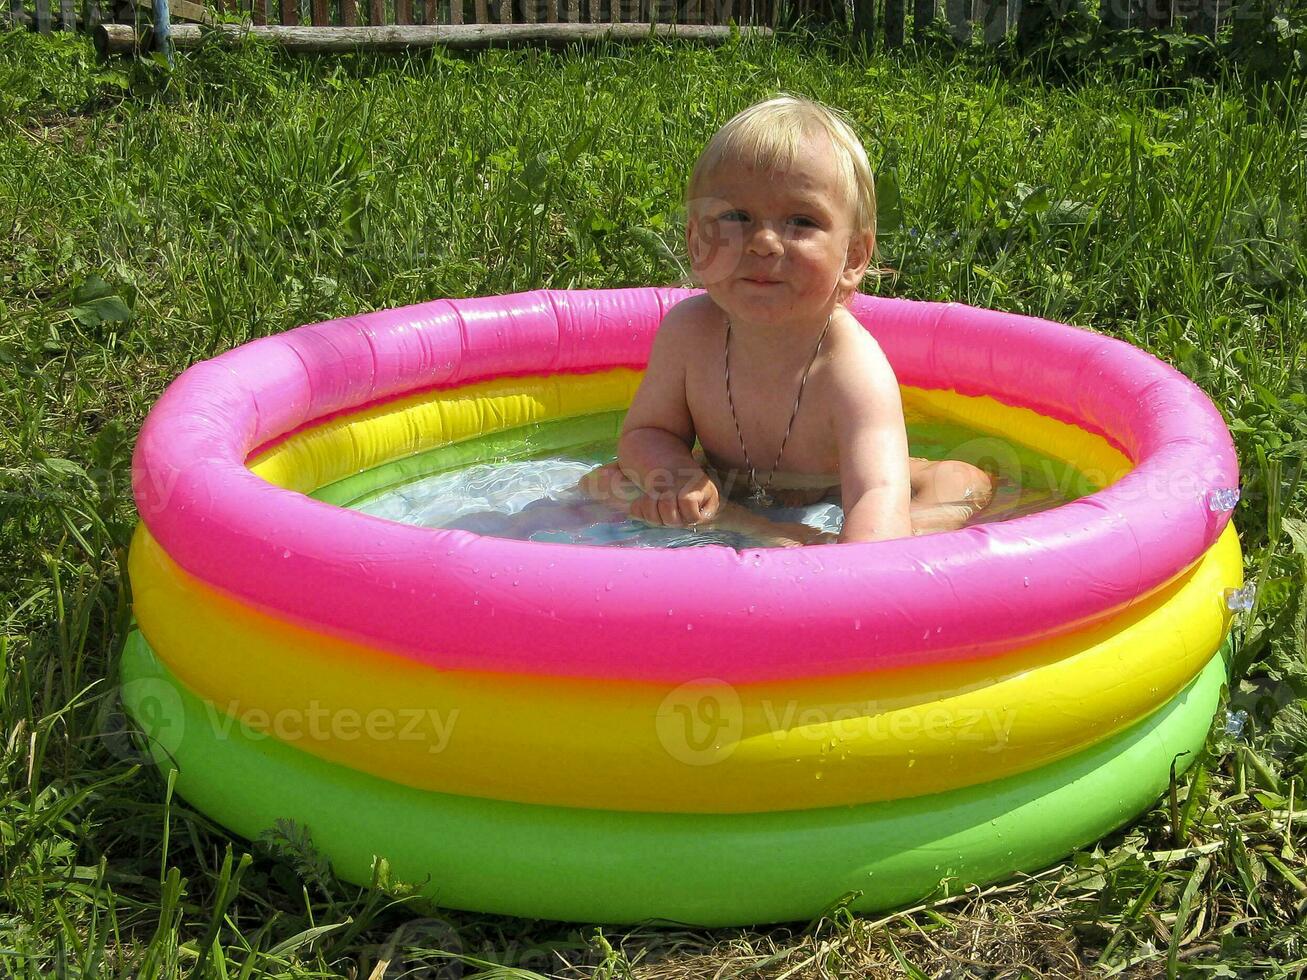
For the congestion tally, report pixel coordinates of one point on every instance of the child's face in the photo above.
(776, 247)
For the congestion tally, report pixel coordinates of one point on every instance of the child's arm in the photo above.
(875, 482)
(654, 450)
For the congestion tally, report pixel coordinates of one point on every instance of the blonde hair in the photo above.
(769, 136)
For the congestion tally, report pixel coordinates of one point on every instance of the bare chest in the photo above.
(763, 405)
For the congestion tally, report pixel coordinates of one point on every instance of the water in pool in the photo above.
(531, 494)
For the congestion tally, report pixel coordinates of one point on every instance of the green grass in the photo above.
(145, 227)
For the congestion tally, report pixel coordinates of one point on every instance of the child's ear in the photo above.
(692, 240)
(691, 278)
(858, 259)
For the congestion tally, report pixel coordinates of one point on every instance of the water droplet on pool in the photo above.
(911, 763)
(1026, 581)
(688, 627)
(608, 586)
(857, 624)
(286, 553)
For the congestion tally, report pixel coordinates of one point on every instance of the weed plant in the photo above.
(151, 219)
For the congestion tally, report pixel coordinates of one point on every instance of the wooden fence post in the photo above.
(923, 13)
(992, 15)
(1201, 18)
(1155, 14)
(895, 10)
(958, 13)
(864, 23)
(1115, 14)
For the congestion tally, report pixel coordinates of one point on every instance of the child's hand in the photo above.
(695, 502)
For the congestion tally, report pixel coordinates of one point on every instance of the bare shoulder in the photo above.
(860, 373)
(689, 323)
(661, 400)
(680, 333)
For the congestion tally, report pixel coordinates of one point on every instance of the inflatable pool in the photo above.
(704, 735)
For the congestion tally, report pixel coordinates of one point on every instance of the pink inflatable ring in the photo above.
(455, 600)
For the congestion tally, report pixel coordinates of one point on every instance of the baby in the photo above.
(768, 366)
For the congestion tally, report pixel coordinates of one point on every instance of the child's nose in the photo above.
(765, 240)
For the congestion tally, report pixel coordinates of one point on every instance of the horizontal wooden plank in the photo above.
(122, 38)
(183, 10)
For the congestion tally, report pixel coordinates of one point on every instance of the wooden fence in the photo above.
(886, 19)
(47, 15)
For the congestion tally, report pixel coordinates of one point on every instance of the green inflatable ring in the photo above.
(622, 867)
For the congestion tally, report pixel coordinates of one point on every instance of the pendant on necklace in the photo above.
(760, 497)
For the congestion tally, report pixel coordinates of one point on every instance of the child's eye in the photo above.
(803, 221)
(735, 216)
